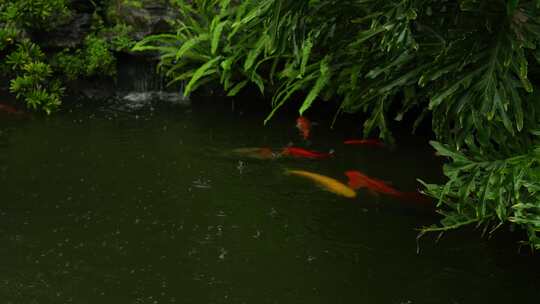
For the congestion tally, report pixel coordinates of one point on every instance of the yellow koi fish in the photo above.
(326, 182)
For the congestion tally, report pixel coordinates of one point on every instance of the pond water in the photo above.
(101, 206)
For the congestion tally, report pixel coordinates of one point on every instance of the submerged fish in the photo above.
(368, 142)
(359, 180)
(9, 109)
(326, 182)
(304, 126)
(303, 153)
(256, 152)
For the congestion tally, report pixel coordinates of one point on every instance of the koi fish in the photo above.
(359, 180)
(9, 109)
(304, 126)
(303, 153)
(256, 152)
(368, 142)
(326, 182)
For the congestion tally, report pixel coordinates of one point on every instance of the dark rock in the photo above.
(145, 17)
(84, 6)
(69, 35)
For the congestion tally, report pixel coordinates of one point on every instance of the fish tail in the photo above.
(288, 171)
(305, 134)
(416, 197)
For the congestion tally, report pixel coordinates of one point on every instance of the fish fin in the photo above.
(416, 197)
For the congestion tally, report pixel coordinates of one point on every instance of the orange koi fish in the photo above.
(326, 182)
(303, 153)
(359, 180)
(304, 126)
(368, 142)
(256, 152)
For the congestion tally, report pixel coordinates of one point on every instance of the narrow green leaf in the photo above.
(321, 82)
(199, 73)
(254, 53)
(306, 51)
(278, 103)
(190, 44)
(444, 151)
(258, 80)
(216, 36)
(143, 45)
(239, 86)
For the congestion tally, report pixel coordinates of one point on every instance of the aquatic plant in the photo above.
(465, 63)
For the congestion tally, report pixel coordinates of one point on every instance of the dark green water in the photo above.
(105, 207)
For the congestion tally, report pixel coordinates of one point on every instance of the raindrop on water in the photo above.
(222, 254)
(241, 166)
(257, 234)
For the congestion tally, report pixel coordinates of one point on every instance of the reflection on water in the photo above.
(99, 207)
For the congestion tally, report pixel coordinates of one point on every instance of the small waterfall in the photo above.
(140, 85)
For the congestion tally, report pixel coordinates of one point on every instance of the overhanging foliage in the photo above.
(465, 62)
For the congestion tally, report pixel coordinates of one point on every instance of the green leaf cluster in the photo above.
(94, 58)
(7, 37)
(118, 37)
(34, 14)
(21, 20)
(34, 82)
(489, 192)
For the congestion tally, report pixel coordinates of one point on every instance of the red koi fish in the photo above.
(9, 109)
(304, 126)
(359, 180)
(303, 153)
(368, 142)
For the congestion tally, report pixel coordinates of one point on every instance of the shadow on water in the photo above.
(149, 207)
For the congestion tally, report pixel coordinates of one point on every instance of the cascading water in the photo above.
(140, 85)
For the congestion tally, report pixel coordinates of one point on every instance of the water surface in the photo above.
(100, 206)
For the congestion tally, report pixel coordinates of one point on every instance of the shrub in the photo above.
(34, 14)
(34, 82)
